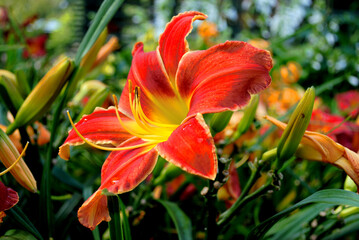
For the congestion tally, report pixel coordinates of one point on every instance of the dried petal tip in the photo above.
(296, 127)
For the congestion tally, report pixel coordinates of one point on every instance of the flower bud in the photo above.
(87, 89)
(105, 50)
(43, 95)
(8, 155)
(168, 173)
(8, 81)
(318, 147)
(219, 121)
(248, 117)
(87, 61)
(95, 100)
(350, 185)
(296, 127)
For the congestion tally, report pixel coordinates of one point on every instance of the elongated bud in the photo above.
(105, 50)
(296, 127)
(95, 100)
(350, 185)
(168, 173)
(248, 117)
(87, 89)
(87, 61)
(12, 91)
(43, 95)
(20, 171)
(219, 121)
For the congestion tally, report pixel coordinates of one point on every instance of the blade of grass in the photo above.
(18, 215)
(103, 16)
(330, 196)
(115, 225)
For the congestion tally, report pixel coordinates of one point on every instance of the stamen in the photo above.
(17, 160)
(143, 116)
(153, 137)
(137, 116)
(106, 148)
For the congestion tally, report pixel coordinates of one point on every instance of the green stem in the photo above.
(115, 225)
(231, 212)
(45, 200)
(211, 197)
(226, 216)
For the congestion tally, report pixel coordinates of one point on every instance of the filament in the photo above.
(17, 160)
(105, 148)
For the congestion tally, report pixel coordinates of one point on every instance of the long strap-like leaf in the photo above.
(329, 196)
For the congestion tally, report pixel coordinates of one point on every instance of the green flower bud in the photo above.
(95, 100)
(43, 95)
(248, 117)
(12, 91)
(219, 121)
(168, 173)
(296, 127)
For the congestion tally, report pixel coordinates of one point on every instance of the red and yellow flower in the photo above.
(8, 199)
(160, 110)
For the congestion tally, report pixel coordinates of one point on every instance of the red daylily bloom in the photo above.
(8, 199)
(335, 126)
(35, 46)
(348, 102)
(161, 113)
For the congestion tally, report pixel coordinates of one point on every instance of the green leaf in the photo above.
(347, 229)
(330, 196)
(115, 225)
(19, 216)
(104, 15)
(182, 222)
(16, 234)
(4, 48)
(292, 226)
(67, 208)
(125, 223)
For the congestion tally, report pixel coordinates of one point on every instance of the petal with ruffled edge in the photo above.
(350, 164)
(172, 42)
(191, 148)
(222, 77)
(8, 197)
(121, 172)
(124, 170)
(156, 92)
(100, 127)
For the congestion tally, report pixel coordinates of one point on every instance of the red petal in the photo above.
(223, 77)
(156, 92)
(94, 210)
(100, 127)
(191, 148)
(172, 42)
(121, 172)
(8, 197)
(124, 170)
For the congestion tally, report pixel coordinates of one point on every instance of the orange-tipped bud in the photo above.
(318, 147)
(106, 50)
(20, 171)
(43, 95)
